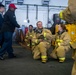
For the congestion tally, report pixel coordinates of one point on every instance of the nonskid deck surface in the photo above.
(24, 64)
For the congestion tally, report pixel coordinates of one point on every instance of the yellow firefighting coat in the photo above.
(69, 14)
(40, 48)
(61, 45)
(29, 34)
(28, 37)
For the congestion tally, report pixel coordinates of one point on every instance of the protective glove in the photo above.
(41, 37)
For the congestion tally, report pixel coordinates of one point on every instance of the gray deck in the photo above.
(24, 64)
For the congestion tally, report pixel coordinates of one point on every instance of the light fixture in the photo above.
(20, 2)
(25, 21)
(7, 1)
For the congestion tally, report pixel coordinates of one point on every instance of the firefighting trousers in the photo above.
(40, 51)
(58, 52)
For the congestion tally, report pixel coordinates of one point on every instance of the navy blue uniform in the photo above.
(7, 29)
(9, 22)
(1, 23)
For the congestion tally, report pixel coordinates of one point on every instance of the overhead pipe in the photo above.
(36, 12)
(43, 5)
(27, 12)
(27, 16)
(48, 16)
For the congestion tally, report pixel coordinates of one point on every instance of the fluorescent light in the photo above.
(25, 21)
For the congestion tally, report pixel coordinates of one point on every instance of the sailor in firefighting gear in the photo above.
(62, 40)
(42, 40)
(29, 35)
(69, 15)
(73, 45)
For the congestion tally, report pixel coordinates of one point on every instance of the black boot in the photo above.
(11, 56)
(1, 58)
